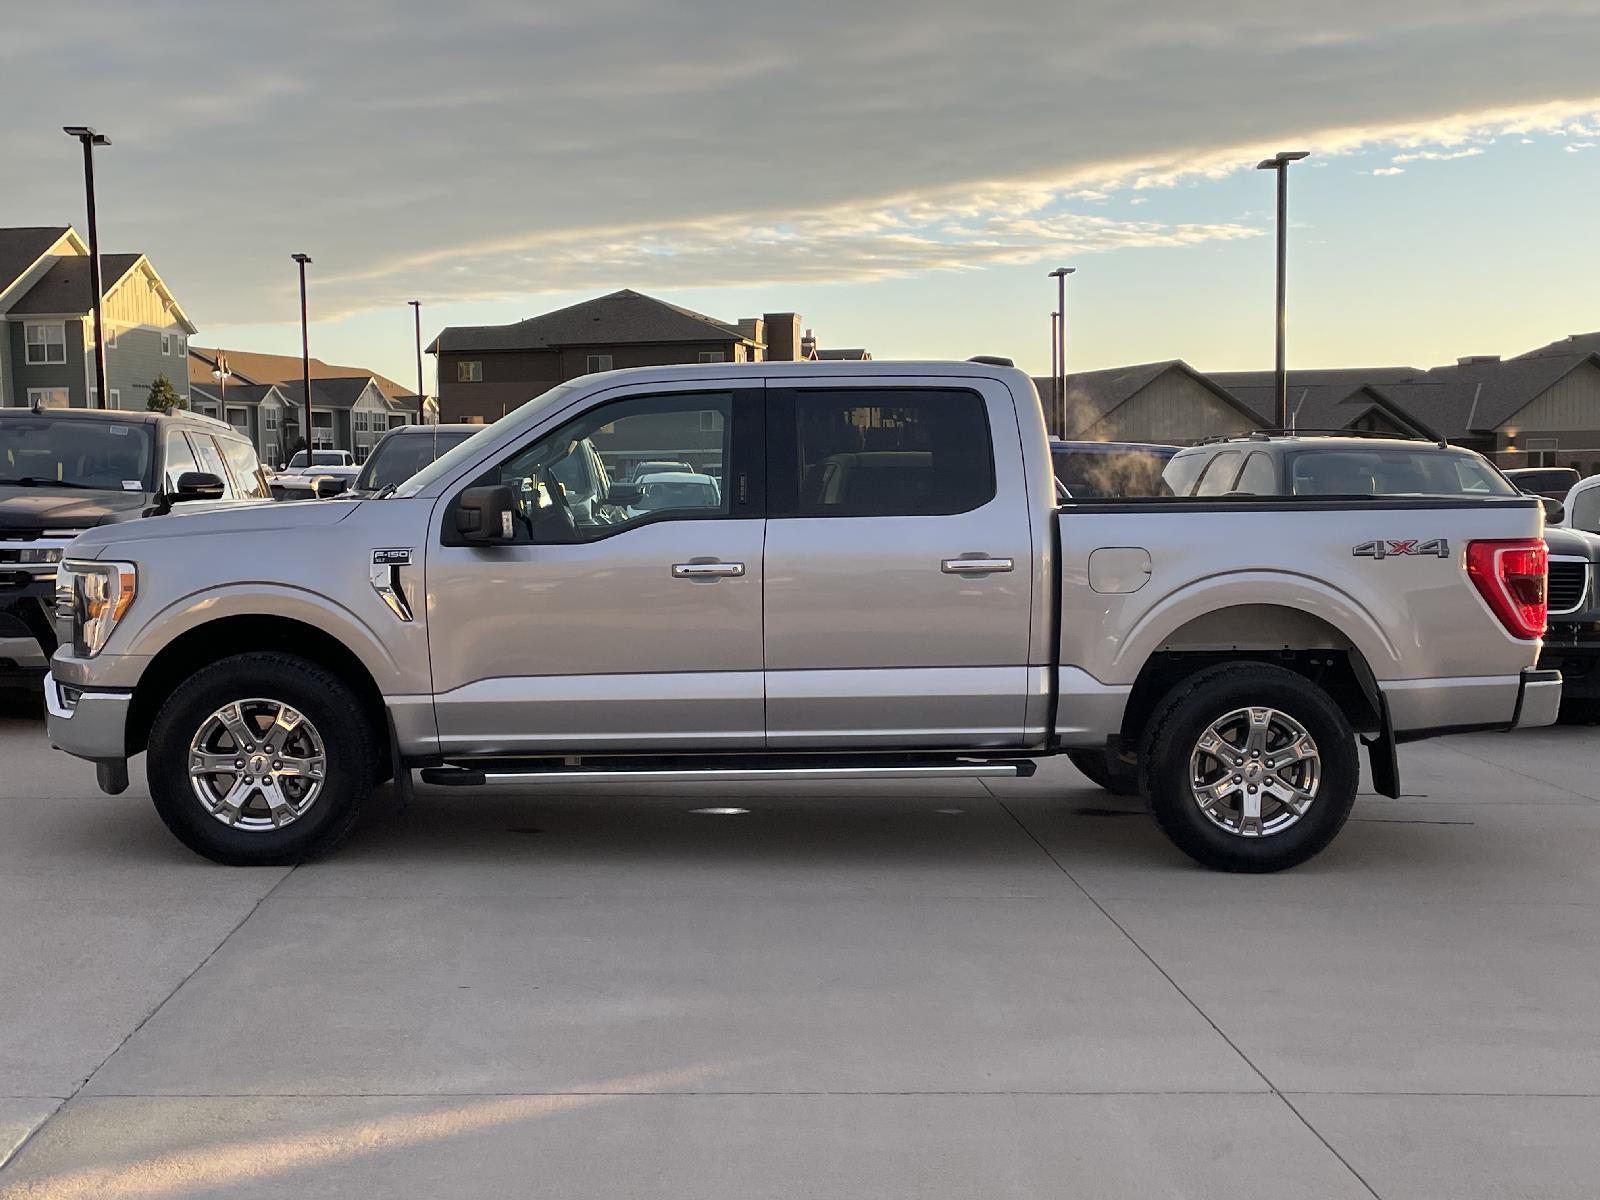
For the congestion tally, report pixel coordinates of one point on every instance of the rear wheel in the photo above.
(261, 759)
(1096, 766)
(1250, 767)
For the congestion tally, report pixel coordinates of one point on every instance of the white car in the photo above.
(661, 490)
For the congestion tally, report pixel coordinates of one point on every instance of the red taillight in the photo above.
(1511, 577)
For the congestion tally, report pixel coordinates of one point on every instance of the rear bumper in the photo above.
(86, 724)
(1574, 650)
(1422, 708)
(1538, 700)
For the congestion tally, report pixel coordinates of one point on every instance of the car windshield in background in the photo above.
(324, 458)
(400, 456)
(1392, 471)
(104, 455)
(1111, 471)
(667, 493)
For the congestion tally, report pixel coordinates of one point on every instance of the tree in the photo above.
(164, 397)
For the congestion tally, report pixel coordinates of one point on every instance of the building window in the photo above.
(469, 372)
(48, 398)
(599, 362)
(713, 356)
(239, 419)
(111, 337)
(321, 431)
(269, 419)
(166, 343)
(116, 398)
(183, 347)
(47, 342)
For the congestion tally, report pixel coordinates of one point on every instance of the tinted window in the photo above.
(1258, 478)
(400, 456)
(210, 459)
(1104, 471)
(108, 455)
(1389, 471)
(246, 469)
(1217, 478)
(1181, 472)
(562, 481)
(1585, 514)
(180, 458)
(881, 453)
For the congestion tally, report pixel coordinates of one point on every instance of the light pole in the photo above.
(1280, 163)
(422, 409)
(1055, 357)
(305, 356)
(90, 140)
(1059, 416)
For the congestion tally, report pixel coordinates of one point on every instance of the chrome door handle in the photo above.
(976, 566)
(706, 570)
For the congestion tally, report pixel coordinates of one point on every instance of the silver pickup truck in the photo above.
(881, 584)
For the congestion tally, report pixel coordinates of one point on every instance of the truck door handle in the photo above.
(706, 570)
(976, 566)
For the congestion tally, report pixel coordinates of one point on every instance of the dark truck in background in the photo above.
(64, 471)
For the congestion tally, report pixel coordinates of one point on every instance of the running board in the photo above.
(479, 776)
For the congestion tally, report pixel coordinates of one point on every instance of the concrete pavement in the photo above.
(908, 990)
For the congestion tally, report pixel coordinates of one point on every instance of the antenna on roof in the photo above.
(992, 360)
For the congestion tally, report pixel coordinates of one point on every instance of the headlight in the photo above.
(90, 599)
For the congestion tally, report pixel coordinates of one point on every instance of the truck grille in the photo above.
(1569, 585)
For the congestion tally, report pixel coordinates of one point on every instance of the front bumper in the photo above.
(1538, 699)
(27, 636)
(1574, 650)
(87, 724)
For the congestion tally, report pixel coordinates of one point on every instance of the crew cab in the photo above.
(65, 470)
(885, 587)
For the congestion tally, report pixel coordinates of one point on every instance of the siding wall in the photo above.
(1172, 408)
(69, 374)
(136, 311)
(1572, 404)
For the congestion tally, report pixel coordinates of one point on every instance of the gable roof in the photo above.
(1094, 395)
(1573, 343)
(22, 247)
(64, 288)
(1327, 399)
(852, 354)
(340, 391)
(248, 366)
(618, 318)
(238, 393)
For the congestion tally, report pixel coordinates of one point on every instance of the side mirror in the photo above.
(484, 515)
(324, 486)
(624, 494)
(198, 485)
(1554, 510)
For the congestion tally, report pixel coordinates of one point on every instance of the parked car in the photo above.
(1334, 465)
(869, 599)
(329, 473)
(657, 467)
(662, 490)
(1554, 482)
(65, 470)
(1093, 470)
(402, 452)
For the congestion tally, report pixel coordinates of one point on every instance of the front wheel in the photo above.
(261, 759)
(1250, 767)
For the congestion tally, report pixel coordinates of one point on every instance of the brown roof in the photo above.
(64, 288)
(248, 366)
(21, 248)
(619, 318)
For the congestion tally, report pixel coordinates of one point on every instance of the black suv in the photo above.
(65, 470)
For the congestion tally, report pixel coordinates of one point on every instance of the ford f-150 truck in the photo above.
(883, 585)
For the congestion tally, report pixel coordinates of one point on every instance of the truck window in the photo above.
(180, 459)
(210, 460)
(1217, 478)
(1180, 473)
(1585, 514)
(1258, 478)
(562, 480)
(246, 469)
(880, 453)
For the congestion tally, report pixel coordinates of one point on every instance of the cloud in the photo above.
(517, 148)
(1388, 170)
(1574, 147)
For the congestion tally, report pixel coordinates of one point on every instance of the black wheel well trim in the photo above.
(225, 637)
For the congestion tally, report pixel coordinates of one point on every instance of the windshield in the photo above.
(324, 458)
(449, 463)
(1392, 471)
(106, 455)
(400, 456)
(663, 494)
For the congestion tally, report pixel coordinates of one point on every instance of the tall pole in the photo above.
(1280, 371)
(305, 357)
(1055, 355)
(422, 405)
(90, 140)
(1058, 418)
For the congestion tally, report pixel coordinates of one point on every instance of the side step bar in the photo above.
(477, 776)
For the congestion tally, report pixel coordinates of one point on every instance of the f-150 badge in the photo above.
(391, 558)
(1388, 548)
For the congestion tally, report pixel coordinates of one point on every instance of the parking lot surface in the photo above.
(904, 990)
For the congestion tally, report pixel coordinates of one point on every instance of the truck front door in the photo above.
(630, 621)
(899, 566)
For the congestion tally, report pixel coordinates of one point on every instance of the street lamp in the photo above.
(305, 356)
(1058, 417)
(1055, 357)
(1280, 163)
(90, 140)
(422, 413)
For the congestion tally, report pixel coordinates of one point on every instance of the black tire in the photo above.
(1175, 729)
(1094, 765)
(351, 750)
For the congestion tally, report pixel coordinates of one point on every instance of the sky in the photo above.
(903, 173)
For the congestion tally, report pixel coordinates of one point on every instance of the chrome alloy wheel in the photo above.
(1254, 772)
(257, 764)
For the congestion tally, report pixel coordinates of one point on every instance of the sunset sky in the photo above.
(903, 174)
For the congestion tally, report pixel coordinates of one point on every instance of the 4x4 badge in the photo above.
(1388, 548)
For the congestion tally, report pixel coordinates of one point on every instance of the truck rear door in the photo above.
(899, 564)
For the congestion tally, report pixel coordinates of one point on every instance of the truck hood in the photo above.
(269, 517)
(1572, 542)
(31, 509)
